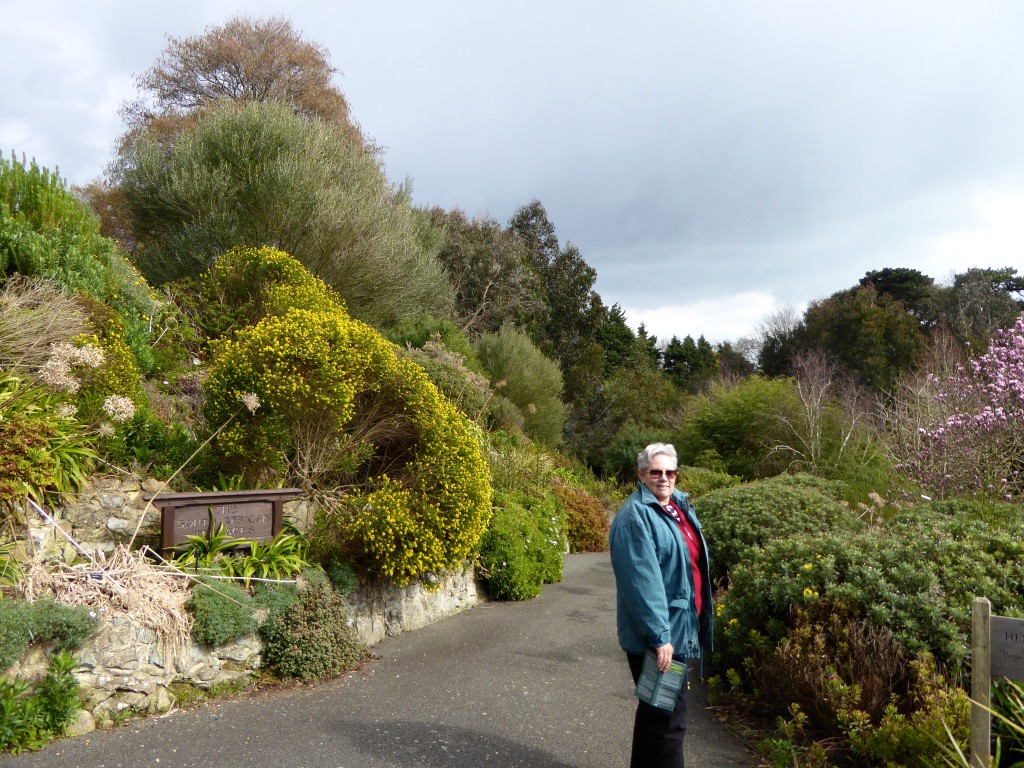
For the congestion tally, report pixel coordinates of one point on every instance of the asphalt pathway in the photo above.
(535, 684)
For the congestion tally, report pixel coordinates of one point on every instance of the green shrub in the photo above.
(914, 576)
(518, 465)
(118, 374)
(504, 416)
(586, 520)
(45, 620)
(698, 482)
(272, 600)
(844, 624)
(340, 409)
(741, 423)
(44, 454)
(46, 231)
(468, 391)
(419, 331)
(311, 639)
(30, 716)
(620, 456)
(156, 448)
(223, 611)
(343, 579)
(523, 548)
(740, 520)
(532, 381)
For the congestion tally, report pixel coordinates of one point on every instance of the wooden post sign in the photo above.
(997, 650)
(249, 515)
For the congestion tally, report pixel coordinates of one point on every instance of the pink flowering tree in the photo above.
(976, 446)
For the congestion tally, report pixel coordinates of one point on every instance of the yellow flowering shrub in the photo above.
(416, 488)
(246, 284)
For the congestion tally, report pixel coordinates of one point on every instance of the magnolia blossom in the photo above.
(978, 444)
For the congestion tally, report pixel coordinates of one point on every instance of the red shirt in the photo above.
(692, 539)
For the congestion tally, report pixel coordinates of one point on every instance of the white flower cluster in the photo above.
(56, 372)
(119, 408)
(250, 401)
(66, 410)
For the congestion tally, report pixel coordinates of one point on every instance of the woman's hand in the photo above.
(664, 656)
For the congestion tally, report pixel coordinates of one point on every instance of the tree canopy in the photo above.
(258, 174)
(243, 60)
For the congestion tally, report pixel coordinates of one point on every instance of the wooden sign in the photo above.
(245, 515)
(1006, 648)
(997, 650)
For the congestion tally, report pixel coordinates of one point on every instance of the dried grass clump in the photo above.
(122, 583)
(34, 315)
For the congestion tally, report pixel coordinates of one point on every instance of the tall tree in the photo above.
(647, 348)
(243, 60)
(691, 364)
(736, 359)
(575, 311)
(491, 272)
(982, 301)
(258, 174)
(779, 335)
(870, 335)
(617, 339)
(914, 289)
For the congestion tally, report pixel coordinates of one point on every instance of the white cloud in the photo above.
(998, 240)
(720, 318)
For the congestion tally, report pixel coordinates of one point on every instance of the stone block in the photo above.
(84, 723)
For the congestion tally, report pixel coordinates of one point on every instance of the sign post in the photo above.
(245, 515)
(981, 682)
(997, 649)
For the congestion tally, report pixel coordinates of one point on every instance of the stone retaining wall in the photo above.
(124, 670)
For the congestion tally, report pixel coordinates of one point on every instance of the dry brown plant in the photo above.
(916, 403)
(123, 583)
(821, 387)
(34, 314)
(835, 662)
(329, 460)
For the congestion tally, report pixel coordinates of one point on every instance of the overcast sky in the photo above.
(715, 161)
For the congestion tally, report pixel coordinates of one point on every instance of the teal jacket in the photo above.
(655, 600)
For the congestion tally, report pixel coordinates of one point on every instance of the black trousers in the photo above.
(657, 733)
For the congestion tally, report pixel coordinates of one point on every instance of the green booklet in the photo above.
(660, 689)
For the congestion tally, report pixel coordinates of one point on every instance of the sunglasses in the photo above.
(669, 473)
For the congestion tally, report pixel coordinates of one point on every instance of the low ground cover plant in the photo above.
(858, 635)
(33, 715)
(23, 622)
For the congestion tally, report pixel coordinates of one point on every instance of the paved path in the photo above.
(536, 684)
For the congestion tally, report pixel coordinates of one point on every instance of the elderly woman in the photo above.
(663, 595)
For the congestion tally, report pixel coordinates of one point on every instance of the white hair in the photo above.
(646, 456)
